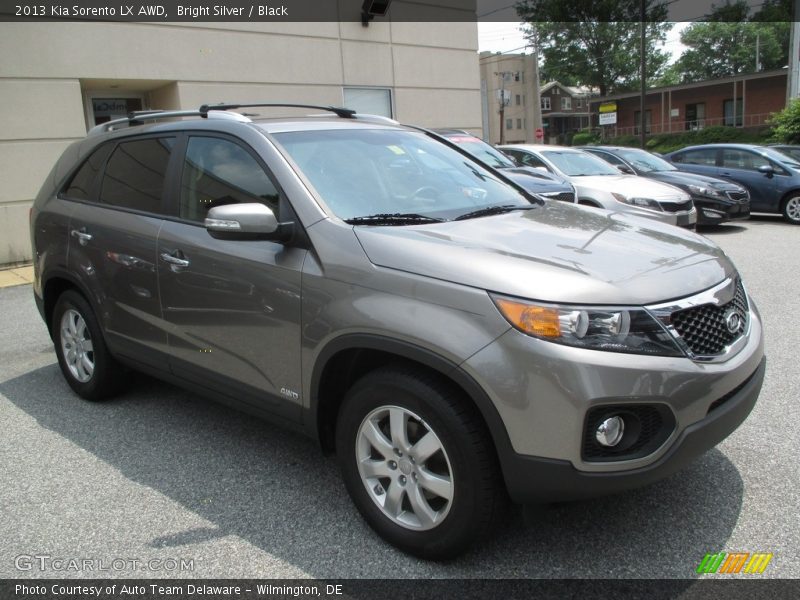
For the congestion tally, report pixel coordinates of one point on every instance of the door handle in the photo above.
(83, 237)
(175, 261)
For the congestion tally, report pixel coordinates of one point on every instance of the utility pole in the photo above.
(643, 71)
(758, 62)
(793, 81)
(502, 75)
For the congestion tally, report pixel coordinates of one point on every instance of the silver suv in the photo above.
(454, 339)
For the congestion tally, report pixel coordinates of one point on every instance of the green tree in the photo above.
(725, 45)
(786, 123)
(595, 42)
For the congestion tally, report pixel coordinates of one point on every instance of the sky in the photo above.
(507, 37)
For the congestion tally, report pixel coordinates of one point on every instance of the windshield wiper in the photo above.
(494, 210)
(392, 219)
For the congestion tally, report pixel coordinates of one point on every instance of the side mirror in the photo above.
(626, 170)
(248, 221)
(767, 170)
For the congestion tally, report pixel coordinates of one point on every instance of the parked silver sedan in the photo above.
(602, 185)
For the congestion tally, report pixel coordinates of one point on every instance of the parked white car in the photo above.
(602, 185)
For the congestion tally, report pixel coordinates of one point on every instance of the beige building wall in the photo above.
(521, 81)
(49, 71)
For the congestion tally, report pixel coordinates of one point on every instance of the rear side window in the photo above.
(218, 172)
(80, 186)
(135, 174)
(706, 157)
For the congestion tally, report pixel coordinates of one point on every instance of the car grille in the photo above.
(563, 196)
(704, 328)
(737, 196)
(674, 207)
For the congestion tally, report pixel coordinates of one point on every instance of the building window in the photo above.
(519, 76)
(545, 102)
(518, 99)
(523, 99)
(557, 91)
(519, 123)
(637, 121)
(728, 112)
(509, 124)
(566, 103)
(107, 107)
(579, 102)
(695, 116)
(372, 101)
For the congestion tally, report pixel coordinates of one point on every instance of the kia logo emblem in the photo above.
(733, 321)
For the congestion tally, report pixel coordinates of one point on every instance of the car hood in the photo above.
(681, 178)
(536, 181)
(631, 185)
(555, 253)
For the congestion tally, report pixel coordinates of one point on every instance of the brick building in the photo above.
(740, 101)
(565, 110)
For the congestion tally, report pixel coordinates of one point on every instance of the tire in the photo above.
(436, 507)
(791, 209)
(83, 356)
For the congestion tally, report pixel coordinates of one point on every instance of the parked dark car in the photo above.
(533, 180)
(772, 178)
(716, 200)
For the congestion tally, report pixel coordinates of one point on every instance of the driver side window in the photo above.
(217, 172)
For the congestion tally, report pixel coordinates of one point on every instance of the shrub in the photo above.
(786, 123)
(585, 138)
(669, 142)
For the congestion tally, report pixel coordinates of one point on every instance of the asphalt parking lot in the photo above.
(161, 475)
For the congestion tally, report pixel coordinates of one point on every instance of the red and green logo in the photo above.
(734, 562)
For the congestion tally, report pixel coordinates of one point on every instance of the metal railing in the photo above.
(742, 122)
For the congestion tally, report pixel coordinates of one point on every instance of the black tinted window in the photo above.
(80, 186)
(218, 172)
(733, 158)
(706, 156)
(135, 173)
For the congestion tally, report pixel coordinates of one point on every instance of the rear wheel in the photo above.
(418, 463)
(85, 361)
(791, 209)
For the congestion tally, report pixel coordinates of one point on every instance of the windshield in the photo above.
(365, 172)
(644, 161)
(576, 164)
(482, 151)
(782, 158)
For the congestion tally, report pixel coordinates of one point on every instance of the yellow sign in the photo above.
(607, 107)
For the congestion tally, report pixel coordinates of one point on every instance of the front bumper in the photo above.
(545, 395)
(713, 212)
(530, 479)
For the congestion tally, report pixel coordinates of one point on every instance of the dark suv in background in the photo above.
(453, 338)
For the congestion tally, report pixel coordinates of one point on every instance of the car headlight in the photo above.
(639, 202)
(613, 329)
(704, 191)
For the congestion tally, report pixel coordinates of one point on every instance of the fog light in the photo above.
(609, 432)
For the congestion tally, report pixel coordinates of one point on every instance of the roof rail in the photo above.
(345, 113)
(138, 117)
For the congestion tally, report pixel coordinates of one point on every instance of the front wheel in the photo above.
(791, 210)
(418, 463)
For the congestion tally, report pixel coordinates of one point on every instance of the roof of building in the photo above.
(695, 84)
